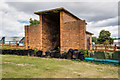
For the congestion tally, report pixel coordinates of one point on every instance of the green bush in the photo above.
(85, 52)
(58, 48)
(34, 22)
(86, 55)
(36, 50)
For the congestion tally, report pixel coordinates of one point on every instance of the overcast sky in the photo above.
(98, 15)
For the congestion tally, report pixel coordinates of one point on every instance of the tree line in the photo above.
(103, 38)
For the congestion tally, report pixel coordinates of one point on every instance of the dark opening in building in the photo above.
(51, 31)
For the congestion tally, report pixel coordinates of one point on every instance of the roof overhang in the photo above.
(57, 10)
(89, 33)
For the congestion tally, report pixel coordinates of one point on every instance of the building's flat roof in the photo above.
(55, 11)
(89, 33)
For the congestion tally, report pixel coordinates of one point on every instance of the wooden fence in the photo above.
(13, 43)
(95, 48)
(106, 48)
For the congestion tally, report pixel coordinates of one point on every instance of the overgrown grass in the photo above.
(76, 60)
(14, 66)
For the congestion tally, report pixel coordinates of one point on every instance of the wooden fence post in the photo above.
(9, 44)
(2, 43)
(95, 47)
(16, 44)
(105, 48)
(115, 48)
(24, 43)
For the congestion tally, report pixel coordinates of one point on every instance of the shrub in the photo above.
(36, 50)
(58, 48)
(85, 52)
(34, 22)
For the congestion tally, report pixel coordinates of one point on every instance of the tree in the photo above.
(111, 40)
(94, 39)
(106, 42)
(34, 22)
(103, 36)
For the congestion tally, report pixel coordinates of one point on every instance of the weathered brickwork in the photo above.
(31, 37)
(72, 32)
(73, 35)
(50, 32)
(57, 29)
(26, 36)
(90, 40)
(82, 34)
(68, 18)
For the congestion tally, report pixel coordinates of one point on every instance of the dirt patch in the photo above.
(18, 64)
(9, 62)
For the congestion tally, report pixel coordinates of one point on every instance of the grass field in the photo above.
(7, 47)
(34, 67)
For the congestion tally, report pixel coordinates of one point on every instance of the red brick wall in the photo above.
(73, 35)
(26, 37)
(68, 18)
(32, 35)
(55, 30)
(72, 32)
(45, 36)
(90, 40)
(82, 34)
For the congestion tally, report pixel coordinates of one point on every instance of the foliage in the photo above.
(103, 36)
(111, 40)
(94, 39)
(76, 60)
(58, 48)
(106, 42)
(34, 22)
(36, 50)
(85, 52)
(86, 55)
(50, 57)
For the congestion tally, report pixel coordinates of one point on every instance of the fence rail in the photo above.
(106, 48)
(96, 48)
(13, 43)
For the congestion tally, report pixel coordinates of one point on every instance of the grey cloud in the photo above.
(105, 23)
(99, 14)
(90, 11)
(119, 8)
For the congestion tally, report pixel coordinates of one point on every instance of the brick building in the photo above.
(58, 28)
